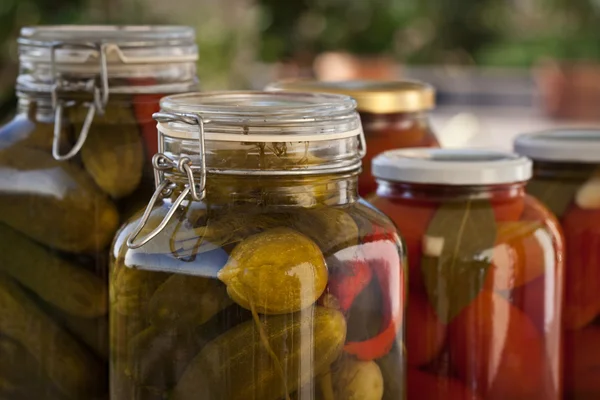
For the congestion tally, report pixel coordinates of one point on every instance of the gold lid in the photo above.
(377, 97)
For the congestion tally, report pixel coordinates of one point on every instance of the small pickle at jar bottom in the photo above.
(276, 272)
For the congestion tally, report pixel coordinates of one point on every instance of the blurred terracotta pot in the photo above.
(570, 90)
(333, 66)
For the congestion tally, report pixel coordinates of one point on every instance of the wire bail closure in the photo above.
(164, 187)
(98, 105)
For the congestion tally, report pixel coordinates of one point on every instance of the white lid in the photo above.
(452, 166)
(570, 145)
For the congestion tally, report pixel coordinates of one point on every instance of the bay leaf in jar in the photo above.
(278, 271)
(238, 366)
(457, 253)
(55, 203)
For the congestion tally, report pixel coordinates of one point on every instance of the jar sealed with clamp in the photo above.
(71, 166)
(486, 274)
(567, 179)
(256, 271)
(394, 115)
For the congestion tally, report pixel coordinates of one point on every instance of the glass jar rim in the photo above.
(129, 35)
(256, 116)
(577, 145)
(452, 167)
(372, 96)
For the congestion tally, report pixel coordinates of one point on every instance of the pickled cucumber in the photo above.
(74, 371)
(159, 357)
(331, 228)
(132, 288)
(54, 202)
(20, 375)
(91, 331)
(114, 157)
(66, 286)
(237, 365)
(184, 299)
(230, 228)
(278, 271)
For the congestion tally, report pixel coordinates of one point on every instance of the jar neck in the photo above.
(441, 193)
(276, 191)
(563, 170)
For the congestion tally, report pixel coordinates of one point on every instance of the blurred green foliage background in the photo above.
(239, 37)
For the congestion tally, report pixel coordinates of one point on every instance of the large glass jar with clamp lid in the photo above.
(71, 166)
(256, 271)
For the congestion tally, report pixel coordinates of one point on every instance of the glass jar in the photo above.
(394, 115)
(71, 167)
(257, 272)
(567, 179)
(486, 267)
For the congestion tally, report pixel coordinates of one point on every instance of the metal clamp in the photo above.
(362, 144)
(97, 106)
(165, 187)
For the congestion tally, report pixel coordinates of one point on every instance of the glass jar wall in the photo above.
(71, 167)
(486, 267)
(394, 115)
(567, 179)
(273, 280)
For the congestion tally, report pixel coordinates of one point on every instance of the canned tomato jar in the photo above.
(486, 267)
(394, 115)
(257, 271)
(73, 162)
(567, 179)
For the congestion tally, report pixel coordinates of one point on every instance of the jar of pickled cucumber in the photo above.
(394, 115)
(257, 271)
(567, 179)
(72, 166)
(486, 274)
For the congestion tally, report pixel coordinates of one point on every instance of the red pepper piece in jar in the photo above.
(347, 282)
(425, 386)
(496, 346)
(510, 209)
(144, 105)
(582, 280)
(582, 363)
(381, 253)
(518, 256)
(425, 333)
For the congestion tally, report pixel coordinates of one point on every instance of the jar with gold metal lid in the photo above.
(72, 164)
(257, 271)
(394, 115)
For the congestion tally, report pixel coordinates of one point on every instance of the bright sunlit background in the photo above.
(501, 67)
